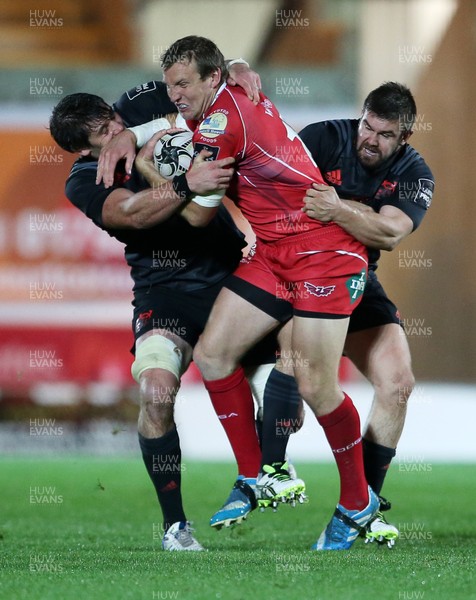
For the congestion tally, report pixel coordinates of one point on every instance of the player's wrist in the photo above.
(142, 133)
(182, 188)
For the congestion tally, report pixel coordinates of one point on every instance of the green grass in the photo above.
(94, 539)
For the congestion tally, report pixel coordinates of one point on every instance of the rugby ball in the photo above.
(173, 154)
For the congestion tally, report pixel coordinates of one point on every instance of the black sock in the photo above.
(377, 460)
(162, 458)
(280, 415)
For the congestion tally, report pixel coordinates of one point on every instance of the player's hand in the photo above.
(321, 202)
(122, 145)
(205, 177)
(249, 80)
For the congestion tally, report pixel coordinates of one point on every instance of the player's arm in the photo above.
(383, 230)
(124, 209)
(201, 210)
(124, 146)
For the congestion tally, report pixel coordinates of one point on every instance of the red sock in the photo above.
(342, 429)
(233, 403)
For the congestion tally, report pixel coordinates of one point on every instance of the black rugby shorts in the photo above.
(185, 314)
(375, 308)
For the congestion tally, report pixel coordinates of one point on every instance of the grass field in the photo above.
(90, 529)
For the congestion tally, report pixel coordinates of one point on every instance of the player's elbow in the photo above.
(389, 244)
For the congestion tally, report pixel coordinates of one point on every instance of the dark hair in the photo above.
(206, 54)
(75, 117)
(394, 102)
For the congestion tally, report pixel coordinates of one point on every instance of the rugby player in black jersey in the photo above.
(380, 190)
(177, 273)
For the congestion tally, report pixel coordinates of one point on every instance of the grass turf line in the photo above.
(90, 529)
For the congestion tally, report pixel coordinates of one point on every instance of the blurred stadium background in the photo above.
(65, 294)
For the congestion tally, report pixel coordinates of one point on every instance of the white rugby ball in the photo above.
(173, 154)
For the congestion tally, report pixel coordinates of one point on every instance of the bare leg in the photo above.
(382, 355)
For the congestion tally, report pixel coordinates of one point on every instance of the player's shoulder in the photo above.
(82, 175)
(329, 140)
(234, 94)
(144, 102)
(335, 130)
(225, 114)
(410, 163)
(83, 167)
(236, 100)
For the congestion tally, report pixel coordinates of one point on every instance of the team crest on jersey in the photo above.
(141, 89)
(319, 290)
(213, 126)
(334, 177)
(121, 178)
(356, 285)
(386, 189)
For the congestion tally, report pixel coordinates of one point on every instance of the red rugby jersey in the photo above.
(273, 168)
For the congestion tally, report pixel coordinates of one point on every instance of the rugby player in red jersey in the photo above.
(317, 267)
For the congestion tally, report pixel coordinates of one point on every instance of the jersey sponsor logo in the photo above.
(319, 290)
(225, 416)
(334, 177)
(386, 189)
(143, 319)
(213, 126)
(356, 285)
(424, 193)
(198, 147)
(141, 89)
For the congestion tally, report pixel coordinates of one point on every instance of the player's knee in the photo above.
(158, 352)
(405, 386)
(212, 365)
(200, 357)
(396, 387)
(310, 390)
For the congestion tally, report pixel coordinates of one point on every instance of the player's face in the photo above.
(103, 132)
(377, 139)
(191, 94)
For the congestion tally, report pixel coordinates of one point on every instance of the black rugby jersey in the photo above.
(404, 180)
(172, 253)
